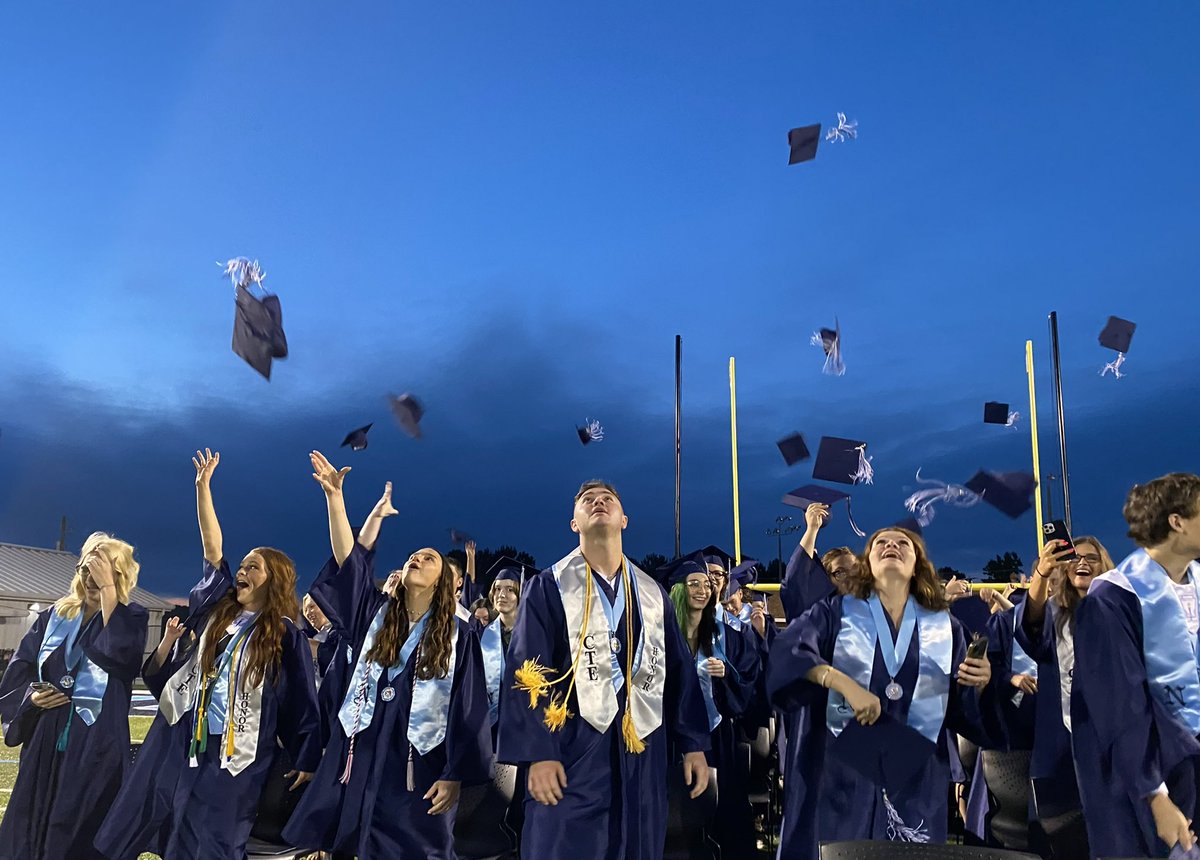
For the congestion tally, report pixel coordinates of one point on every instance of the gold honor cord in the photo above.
(532, 678)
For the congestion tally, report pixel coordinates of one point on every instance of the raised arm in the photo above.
(369, 533)
(210, 529)
(815, 516)
(341, 538)
(1039, 585)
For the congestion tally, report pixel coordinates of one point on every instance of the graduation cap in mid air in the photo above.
(1117, 334)
(591, 431)
(793, 449)
(830, 341)
(356, 439)
(408, 412)
(803, 143)
(258, 336)
(995, 413)
(802, 497)
(458, 537)
(844, 461)
(1011, 493)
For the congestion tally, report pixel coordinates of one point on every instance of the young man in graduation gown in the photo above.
(605, 685)
(1135, 705)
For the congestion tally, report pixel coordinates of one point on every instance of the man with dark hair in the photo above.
(1135, 707)
(599, 689)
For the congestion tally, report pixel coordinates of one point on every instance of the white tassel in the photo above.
(865, 474)
(897, 830)
(1114, 366)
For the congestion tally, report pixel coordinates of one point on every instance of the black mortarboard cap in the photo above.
(408, 412)
(803, 142)
(793, 449)
(678, 569)
(911, 524)
(716, 555)
(1010, 493)
(741, 576)
(356, 439)
(888, 752)
(506, 568)
(1117, 334)
(837, 460)
(995, 413)
(258, 336)
(458, 537)
(830, 338)
(802, 497)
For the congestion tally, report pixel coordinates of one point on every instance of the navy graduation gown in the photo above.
(1125, 743)
(204, 813)
(1015, 718)
(805, 582)
(733, 695)
(376, 816)
(1052, 766)
(825, 800)
(614, 806)
(60, 798)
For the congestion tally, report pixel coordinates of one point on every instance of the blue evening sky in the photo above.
(511, 209)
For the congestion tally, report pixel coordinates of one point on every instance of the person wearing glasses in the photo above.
(727, 664)
(809, 579)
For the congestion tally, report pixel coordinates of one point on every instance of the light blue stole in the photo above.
(429, 713)
(706, 680)
(854, 656)
(1168, 647)
(614, 611)
(723, 617)
(90, 681)
(1022, 663)
(491, 643)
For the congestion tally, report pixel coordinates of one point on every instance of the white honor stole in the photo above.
(239, 742)
(592, 654)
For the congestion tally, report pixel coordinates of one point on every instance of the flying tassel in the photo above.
(853, 524)
(865, 474)
(243, 272)
(1114, 366)
(629, 732)
(897, 830)
(531, 678)
(556, 715)
(1013, 418)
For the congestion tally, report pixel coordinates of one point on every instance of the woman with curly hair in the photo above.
(413, 722)
(64, 698)
(234, 683)
(1045, 630)
(876, 667)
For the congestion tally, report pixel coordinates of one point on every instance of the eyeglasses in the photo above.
(841, 572)
(699, 585)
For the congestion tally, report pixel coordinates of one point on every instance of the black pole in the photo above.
(1062, 432)
(780, 553)
(678, 447)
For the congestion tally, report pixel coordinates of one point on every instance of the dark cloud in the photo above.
(500, 458)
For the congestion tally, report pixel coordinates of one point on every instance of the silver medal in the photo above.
(66, 682)
(388, 694)
(893, 691)
(615, 644)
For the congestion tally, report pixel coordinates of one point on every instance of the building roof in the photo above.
(44, 575)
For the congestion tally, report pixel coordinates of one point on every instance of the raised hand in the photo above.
(956, 589)
(383, 508)
(174, 631)
(205, 464)
(816, 515)
(1052, 556)
(326, 475)
(758, 619)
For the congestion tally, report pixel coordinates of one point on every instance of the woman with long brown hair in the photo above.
(64, 699)
(1045, 629)
(234, 683)
(876, 668)
(413, 722)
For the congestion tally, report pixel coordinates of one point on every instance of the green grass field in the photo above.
(138, 726)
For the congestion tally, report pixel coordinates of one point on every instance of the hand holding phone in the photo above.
(977, 650)
(1056, 530)
(43, 687)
